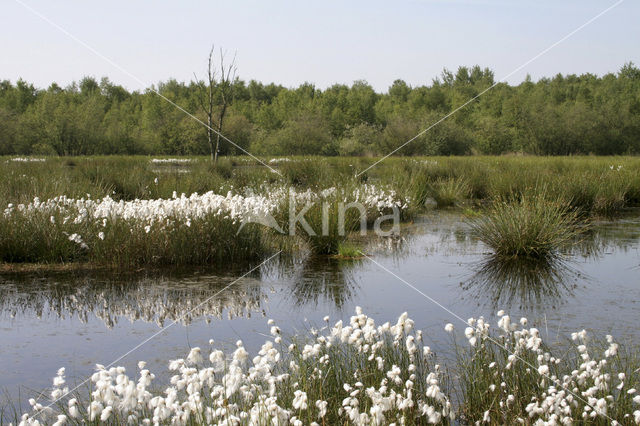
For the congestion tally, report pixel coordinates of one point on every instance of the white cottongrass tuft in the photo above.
(384, 379)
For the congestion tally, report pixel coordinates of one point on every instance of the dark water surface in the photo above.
(76, 321)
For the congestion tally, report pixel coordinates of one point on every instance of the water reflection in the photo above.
(322, 279)
(161, 298)
(149, 299)
(522, 283)
(607, 238)
(444, 233)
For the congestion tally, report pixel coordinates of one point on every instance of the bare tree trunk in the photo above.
(220, 119)
(208, 101)
(215, 158)
(211, 75)
(210, 138)
(227, 79)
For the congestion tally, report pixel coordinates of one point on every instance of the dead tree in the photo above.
(215, 97)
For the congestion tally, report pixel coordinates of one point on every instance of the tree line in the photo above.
(566, 114)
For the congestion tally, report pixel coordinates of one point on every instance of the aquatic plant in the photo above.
(533, 226)
(449, 192)
(593, 184)
(590, 186)
(358, 373)
(197, 229)
(512, 377)
(363, 373)
(330, 215)
(349, 251)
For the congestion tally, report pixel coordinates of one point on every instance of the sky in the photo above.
(321, 42)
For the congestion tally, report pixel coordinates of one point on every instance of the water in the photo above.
(78, 320)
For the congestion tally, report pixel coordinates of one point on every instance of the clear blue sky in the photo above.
(323, 42)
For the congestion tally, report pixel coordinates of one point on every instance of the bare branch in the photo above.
(207, 100)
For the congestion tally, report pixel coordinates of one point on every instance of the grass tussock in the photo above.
(533, 226)
(450, 192)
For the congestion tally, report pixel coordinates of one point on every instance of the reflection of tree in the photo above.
(148, 299)
(323, 278)
(524, 282)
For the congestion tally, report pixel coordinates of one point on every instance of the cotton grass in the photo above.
(354, 373)
(207, 228)
(362, 373)
(199, 229)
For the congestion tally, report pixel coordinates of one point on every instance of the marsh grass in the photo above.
(124, 178)
(496, 387)
(350, 366)
(43, 237)
(533, 226)
(591, 186)
(210, 240)
(381, 372)
(306, 172)
(328, 228)
(450, 192)
(33, 238)
(422, 182)
(366, 373)
(348, 250)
